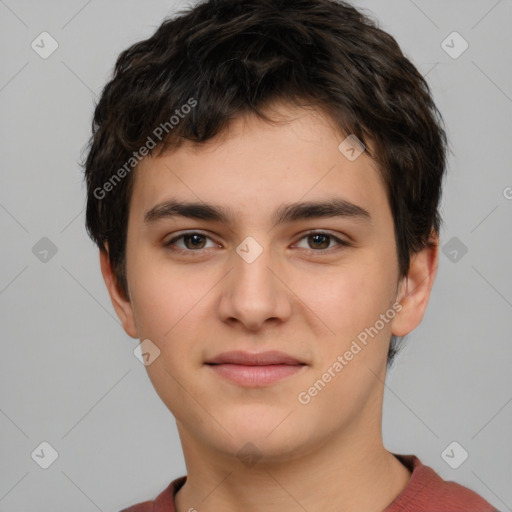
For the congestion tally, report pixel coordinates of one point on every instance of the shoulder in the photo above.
(164, 502)
(426, 490)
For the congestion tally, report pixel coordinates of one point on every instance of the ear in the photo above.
(414, 290)
(121, 304)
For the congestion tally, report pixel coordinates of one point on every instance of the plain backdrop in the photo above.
(68, 375)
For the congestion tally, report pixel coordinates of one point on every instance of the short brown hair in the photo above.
(232, 57)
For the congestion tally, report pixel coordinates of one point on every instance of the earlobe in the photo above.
(415, 288)
(121, 304)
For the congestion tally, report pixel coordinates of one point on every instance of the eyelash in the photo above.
(170, 243)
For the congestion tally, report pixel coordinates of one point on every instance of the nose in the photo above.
(254, 293)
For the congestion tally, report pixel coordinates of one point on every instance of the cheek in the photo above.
(350, 298)
(159, 297)
(171, 304)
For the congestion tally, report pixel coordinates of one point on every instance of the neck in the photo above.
(347, 473)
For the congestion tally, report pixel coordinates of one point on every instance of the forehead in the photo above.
(254, 163)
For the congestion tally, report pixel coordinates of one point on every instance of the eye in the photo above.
(320, 241)
(193, 241)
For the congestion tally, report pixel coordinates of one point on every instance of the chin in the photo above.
(252, 447)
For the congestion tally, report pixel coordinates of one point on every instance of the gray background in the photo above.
(68, 373)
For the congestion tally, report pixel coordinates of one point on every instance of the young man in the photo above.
(263, 185)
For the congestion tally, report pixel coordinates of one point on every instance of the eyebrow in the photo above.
(335, 207)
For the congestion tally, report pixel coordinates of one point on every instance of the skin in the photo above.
(307, 298)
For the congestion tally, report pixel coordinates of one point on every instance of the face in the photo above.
(309, 283)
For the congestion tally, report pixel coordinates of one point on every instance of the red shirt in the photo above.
(426, 491)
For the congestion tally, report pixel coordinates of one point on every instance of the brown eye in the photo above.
(195, 241)
(191, 242)
(319, 241)
(322, 242)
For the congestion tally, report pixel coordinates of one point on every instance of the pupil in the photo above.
(325, 237)
(190, 237)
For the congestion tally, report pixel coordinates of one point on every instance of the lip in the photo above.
(254, 359)
(255, 369)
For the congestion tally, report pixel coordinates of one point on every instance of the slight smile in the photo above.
(255, 369)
